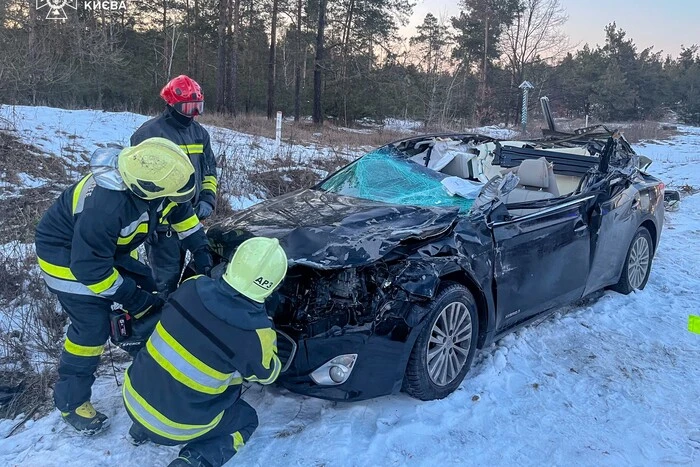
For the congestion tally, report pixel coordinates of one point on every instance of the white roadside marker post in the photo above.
(278, 134)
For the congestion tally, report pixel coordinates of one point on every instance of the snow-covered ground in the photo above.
(615, 382)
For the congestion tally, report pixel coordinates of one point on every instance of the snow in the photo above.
(74, 134)
(402, 125)
(676, 160)
(610, 382)
(70, 133)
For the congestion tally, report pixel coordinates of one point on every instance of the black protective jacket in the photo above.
(88, 235)
(194, 140)
(209, 339)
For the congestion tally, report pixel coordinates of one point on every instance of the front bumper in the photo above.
(378, 370)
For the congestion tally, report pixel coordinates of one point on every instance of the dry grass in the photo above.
(32, 325)
(31, 333)
(304, 132)
(17, 157)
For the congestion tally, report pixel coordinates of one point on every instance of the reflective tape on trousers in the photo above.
(160, 424)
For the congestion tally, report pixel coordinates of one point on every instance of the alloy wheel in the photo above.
(450, 340)
(638, 263)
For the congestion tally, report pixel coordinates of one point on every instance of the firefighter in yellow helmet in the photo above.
(84, 246)
(214, 334)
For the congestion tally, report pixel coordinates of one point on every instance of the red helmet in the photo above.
(185, 94)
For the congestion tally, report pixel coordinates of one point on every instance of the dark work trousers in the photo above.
(87, 333)
(216, 446)
(166, 258)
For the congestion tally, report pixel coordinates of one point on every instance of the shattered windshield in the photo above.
(385, 175)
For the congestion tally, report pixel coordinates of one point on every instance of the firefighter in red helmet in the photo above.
(184, 101)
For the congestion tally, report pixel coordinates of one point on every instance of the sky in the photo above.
(664, 24)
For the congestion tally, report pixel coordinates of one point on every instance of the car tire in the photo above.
(635, 272)
(441, 346)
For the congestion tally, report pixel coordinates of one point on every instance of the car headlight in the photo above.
(335, 371)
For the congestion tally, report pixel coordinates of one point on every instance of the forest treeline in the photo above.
(338, 59)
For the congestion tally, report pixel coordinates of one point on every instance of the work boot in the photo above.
(189, 458)
(137, 435)
(86, 420)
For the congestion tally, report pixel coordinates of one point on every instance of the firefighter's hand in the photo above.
(202, 261)
(149, 304)
(203, 210)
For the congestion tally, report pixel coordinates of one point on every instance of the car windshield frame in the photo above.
(404, 182)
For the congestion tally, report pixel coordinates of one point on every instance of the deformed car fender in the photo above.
(464, 257)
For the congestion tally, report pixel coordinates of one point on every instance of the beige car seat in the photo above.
(537, 181)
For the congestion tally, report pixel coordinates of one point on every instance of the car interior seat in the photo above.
(537, 181)
(459, 167)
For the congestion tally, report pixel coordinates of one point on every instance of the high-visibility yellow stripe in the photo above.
(694, 324)
(191, 359)
(105, 284)
(134, 254)
(142, 228)
(166, 211)
(277, 367)
(60, 272)
(180, 376)
(210, 183)
(268, 343)
(192, 148)
(168, 208)
(187, 224)
(78, 189)
(82, 350)
(238, 442)
(193, 277)
(195, 430)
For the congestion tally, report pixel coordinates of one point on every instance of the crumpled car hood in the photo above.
(328, 231)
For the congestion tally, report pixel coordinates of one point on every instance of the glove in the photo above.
(203, 261)
(203, 210)
(148, 303)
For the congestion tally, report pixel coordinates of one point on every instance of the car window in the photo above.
(386, 175)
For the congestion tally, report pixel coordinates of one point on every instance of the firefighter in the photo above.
(214, 334)
(184, 100)
(85, 244)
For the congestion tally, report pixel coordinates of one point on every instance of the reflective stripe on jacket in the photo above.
(89, 233)
(194, 140)
(208, 341)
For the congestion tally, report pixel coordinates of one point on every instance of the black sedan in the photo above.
(407, 260)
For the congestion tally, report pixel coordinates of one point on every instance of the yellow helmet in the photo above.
(157, 168)
(257, 268)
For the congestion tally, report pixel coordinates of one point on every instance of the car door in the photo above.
(541, 260)
(618, 217)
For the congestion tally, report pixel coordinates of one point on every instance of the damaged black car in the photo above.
(406, 261)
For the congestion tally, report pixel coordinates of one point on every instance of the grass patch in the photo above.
(305, 132)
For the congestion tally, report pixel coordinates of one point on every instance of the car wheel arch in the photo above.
(653, 232)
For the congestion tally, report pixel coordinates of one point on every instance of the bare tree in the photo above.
(272, 61)
(233, 65)
(221, 68)
(433, 43)
(534, 36)
(318, 63)
(297, 65)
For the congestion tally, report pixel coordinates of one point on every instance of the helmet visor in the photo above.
(190, 109)
(184, 194)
